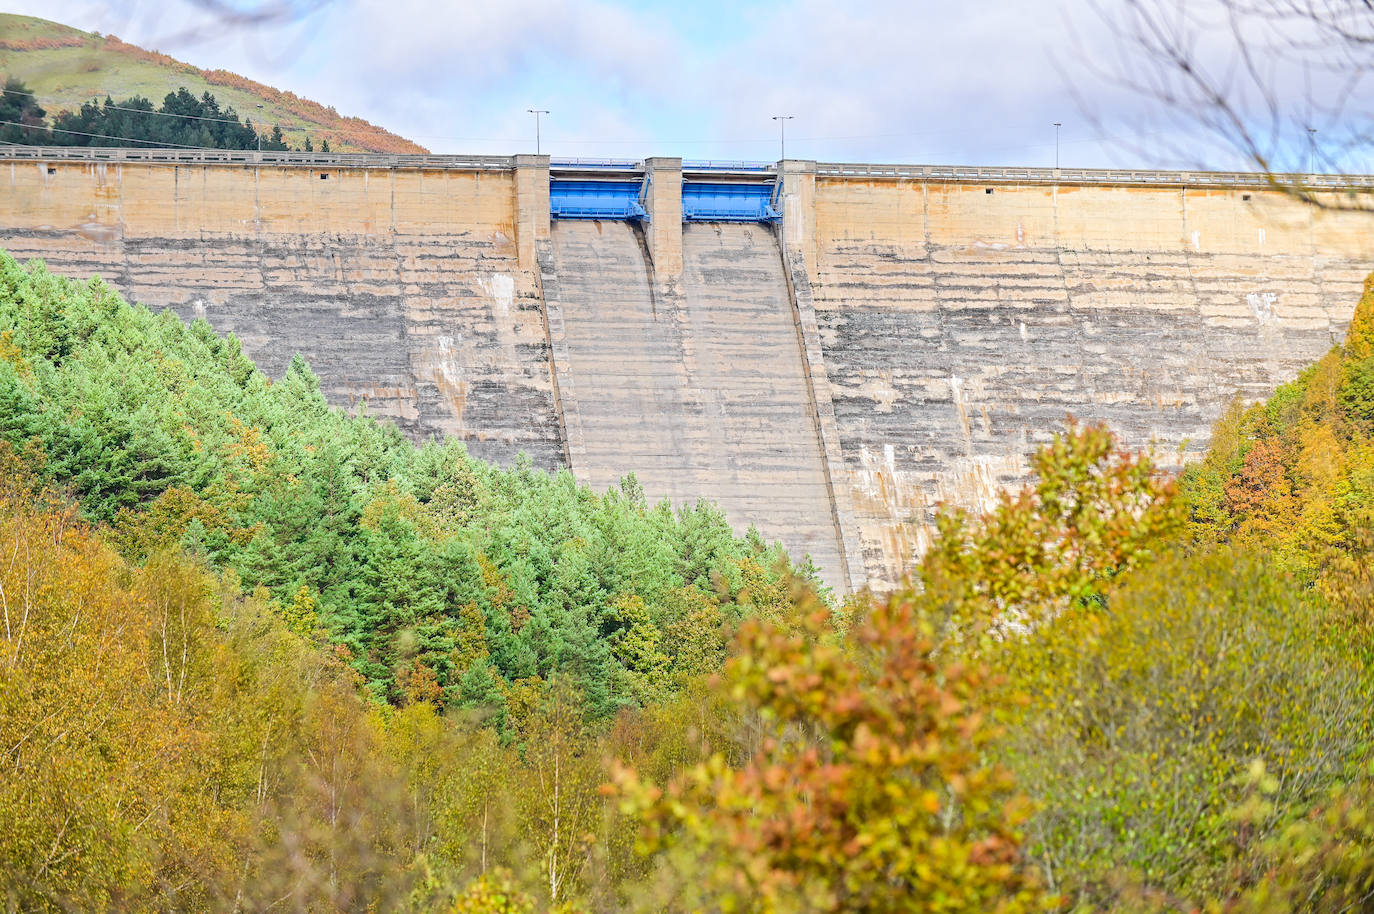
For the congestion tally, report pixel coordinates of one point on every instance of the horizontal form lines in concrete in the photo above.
(945, 330)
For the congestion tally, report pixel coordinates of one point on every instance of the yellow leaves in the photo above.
(165, 742)
(10, 352)
(248, 446)
(494, 893)
(96, 718)
(1359, 337)
(498, 588)
(391, 505)
(1321, 384)
(1092, 513)
(1304, 488)
(299, 614)
(161, 524)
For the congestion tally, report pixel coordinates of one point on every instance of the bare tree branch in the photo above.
(1281, 86)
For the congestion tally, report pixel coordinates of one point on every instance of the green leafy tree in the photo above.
(1093, 513)
(1131, 722)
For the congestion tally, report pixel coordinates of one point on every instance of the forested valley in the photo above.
(259, 654)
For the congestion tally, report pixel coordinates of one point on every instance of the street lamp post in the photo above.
(782, 120)
(1057, 125)
(1311, 147)
(537, 139)
(260, 117)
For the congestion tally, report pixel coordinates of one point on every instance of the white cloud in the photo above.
(882, 80)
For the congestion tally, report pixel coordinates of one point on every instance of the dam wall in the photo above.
(880, 340)
(961, 321)
(403, 287)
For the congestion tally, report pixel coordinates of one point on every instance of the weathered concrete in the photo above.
(912, 339)
(639, 411)
(702, 395)
(663, 230)
(961, 326)
(531, 207)
(403, 288)
(749, 369)
(564, 385)
(796, 196)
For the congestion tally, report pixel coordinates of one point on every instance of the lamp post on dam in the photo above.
(782, 120)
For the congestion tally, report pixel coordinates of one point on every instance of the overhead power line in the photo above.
(300, 122)
(105, 136)
(193, 117)
(718, 141)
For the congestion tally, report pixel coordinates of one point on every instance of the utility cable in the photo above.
(103, 105)
(106, 136)
(195, 117)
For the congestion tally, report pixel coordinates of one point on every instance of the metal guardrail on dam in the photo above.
(253, 157)
(1093, 176)
(703, 165)
(972, 174)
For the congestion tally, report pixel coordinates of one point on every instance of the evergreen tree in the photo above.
(421, 563)
(21, 117)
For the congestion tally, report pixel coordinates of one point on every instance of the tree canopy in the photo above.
(429, 569)
(182, 120)
(257, 653)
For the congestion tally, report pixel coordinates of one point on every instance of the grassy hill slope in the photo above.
(65, 67)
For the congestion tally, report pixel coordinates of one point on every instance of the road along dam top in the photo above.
(828, 351)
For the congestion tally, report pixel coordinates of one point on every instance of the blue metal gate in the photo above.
(595, 200)
(728, 203)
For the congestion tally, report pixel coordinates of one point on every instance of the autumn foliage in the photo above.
(866, 789)
(165, 742)
(1295, 475)
(1092, 513)
(256, 654)
(330, 125)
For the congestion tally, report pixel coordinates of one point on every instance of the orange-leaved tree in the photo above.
(865, 788)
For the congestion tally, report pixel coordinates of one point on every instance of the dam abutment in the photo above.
(796, 194)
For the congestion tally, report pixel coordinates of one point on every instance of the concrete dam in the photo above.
(828, 351)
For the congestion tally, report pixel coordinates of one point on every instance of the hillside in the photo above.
(66, 67)
(255, 652)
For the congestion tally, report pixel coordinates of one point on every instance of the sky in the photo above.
(880, 81)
